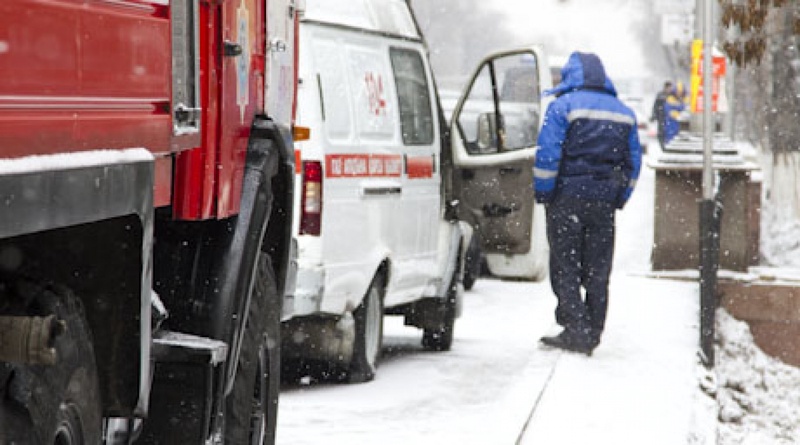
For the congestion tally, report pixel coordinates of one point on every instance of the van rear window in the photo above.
(416, 115)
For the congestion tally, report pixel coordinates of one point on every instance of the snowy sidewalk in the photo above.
(641, 383)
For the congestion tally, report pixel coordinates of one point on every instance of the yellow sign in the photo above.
(696, 79)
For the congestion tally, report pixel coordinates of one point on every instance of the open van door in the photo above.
(494, 130)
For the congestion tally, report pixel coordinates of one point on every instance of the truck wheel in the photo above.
(369, 334)
(440, 338)
(252, 406)
(55, 404)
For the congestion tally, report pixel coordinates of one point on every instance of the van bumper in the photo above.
(308, 293)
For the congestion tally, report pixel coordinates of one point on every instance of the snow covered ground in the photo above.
(644, 384)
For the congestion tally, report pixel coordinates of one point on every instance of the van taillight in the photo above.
(312, 198)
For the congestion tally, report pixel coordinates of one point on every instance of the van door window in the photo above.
(501, 111)
(477, 118)
(416, 115)
(519, 100)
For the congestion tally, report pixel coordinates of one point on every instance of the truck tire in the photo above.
(368, 319)
(56, 404)
(440, 338)
(252, 406)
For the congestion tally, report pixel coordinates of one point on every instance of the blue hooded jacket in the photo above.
(588, 146)
(673, 106)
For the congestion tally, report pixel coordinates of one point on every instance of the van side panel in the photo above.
(381, 196)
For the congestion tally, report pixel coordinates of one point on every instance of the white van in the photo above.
(377, 201)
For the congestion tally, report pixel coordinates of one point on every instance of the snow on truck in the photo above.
(146, 175)
(385, 205)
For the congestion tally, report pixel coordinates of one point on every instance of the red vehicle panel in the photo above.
(89, 90)
(233, 86)
(123, 124)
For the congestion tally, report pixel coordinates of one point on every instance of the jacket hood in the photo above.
(583, 71)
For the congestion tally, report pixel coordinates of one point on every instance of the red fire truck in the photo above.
(146, 168)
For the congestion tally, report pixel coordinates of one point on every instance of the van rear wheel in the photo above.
(440, 338)
(368, 334)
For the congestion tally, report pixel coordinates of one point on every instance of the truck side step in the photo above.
(177, 347)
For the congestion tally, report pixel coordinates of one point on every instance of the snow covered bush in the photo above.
(758, 396)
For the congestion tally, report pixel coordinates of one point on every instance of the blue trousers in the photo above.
(581, 237)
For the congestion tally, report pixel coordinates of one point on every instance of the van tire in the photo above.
(252, 406)
(55, 404)
(368, 340)
(472, 263)
(440, 338)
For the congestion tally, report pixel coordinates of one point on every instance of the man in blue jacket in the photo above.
(586, 168)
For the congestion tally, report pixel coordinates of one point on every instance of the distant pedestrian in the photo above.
(586, 168)
(674, 106)
(658, 115)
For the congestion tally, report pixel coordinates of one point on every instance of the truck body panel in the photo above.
(138, 155)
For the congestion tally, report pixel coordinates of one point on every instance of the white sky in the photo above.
(596, 26)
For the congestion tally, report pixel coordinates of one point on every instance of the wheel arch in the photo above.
(385, 270)
(460, 235)
(277, 241)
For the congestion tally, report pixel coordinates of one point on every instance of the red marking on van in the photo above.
(419, 167)
(363, 166)
(374, 84)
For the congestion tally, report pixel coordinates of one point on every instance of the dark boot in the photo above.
(569, 341)
(594, 338)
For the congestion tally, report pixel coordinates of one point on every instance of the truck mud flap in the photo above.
(187, 375)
